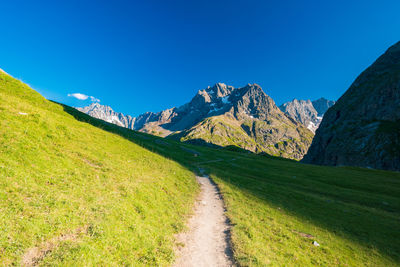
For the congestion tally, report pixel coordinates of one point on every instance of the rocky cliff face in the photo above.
(306, 112)
(363, 127)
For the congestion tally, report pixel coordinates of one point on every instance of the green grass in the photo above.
(353, 213)
(58, 174)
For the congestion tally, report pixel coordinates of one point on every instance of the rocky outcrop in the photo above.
(306, 112)
(363, 127)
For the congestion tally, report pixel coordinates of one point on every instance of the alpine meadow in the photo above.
(79, 189)
(200, 133)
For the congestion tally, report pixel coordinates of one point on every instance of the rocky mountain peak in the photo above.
(322, 104)
(97, 105)
(219, 90)
(257, 117)
(307, 112)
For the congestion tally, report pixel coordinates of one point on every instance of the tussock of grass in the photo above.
(58, 174)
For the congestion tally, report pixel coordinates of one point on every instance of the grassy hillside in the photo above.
(71, 192)
(58, 179)
(279, 207)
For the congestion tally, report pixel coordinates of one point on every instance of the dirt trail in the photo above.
(207, 243)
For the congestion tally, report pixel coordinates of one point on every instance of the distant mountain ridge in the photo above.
(222, 115)
(107, 114)
(207, 102)
(307, 112)
(322, 105)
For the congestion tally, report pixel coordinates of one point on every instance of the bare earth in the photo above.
(34, 255)
(207, 243)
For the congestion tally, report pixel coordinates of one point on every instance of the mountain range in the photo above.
(222, 115)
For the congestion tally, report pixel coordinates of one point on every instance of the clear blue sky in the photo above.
(139, 56)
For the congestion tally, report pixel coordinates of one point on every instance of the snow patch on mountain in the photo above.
(225, 100)
(215, 110)
(307, 112)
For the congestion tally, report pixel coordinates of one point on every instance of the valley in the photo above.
(75, 188)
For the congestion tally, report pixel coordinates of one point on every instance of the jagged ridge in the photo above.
(307, 112)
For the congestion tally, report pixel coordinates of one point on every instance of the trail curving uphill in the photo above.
(207, 243)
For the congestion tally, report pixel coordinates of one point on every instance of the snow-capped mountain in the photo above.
(307, 112)
(107, 114)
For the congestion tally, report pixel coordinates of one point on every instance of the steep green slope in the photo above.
(71, 192)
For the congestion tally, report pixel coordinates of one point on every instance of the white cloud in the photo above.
(93, 99)
(80, 96)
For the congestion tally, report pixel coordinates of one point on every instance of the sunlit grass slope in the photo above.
(279, 207)
(79, 194)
